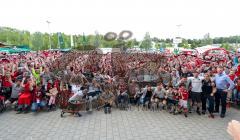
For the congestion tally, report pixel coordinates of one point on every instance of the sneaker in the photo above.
(203, 112)
(185, 115)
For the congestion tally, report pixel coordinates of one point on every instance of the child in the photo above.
(53, 94)
(183, 104)
(38, 103)
(174, 101)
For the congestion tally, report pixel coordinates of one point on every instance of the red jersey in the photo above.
(184, 93)
(6, 82)
(232, 76)
(14, 76)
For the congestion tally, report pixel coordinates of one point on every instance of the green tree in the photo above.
(36, 41)
(226, 46)
(184, 44)
(147, 42)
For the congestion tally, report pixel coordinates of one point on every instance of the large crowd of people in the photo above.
(151, 81)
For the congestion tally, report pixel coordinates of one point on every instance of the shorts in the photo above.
(172, 101)
(183, 103)
(196, 97)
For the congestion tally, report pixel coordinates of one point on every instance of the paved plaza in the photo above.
(120, 125)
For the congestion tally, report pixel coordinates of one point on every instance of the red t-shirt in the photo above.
(184, 93)
(14, 76)
(232, 76)
(6, 82)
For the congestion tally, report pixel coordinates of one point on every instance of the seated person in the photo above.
(94, 89)
(108, 98)
(159, 93)
(133, 89)
(137, 95)
(16, 90)
(170, 96)
(122, 95)
(146, 96)
(24, 100)
(38, 100)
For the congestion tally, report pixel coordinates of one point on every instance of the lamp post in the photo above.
(50, 44)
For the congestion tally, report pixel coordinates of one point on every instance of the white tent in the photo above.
(108, 50)
(203, 49)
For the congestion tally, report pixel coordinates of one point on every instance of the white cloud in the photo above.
(159, 17)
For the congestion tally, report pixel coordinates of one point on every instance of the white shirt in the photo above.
(196, 83)
(76, 90)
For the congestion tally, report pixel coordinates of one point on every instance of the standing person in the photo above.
(183, 101)
(209, 90)
(195, 88)
(175, 78)
(224, 85)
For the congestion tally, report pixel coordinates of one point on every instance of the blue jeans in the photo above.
(221, 96)
(35, 105)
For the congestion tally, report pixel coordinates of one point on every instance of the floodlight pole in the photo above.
(50, 43)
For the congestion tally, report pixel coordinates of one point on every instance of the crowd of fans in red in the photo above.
(35, 80)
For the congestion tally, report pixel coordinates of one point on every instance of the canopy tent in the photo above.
(14, 49)
(203, 49)
(216, 51)
(108, 50)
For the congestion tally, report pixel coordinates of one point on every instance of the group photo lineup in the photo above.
(120, 70)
